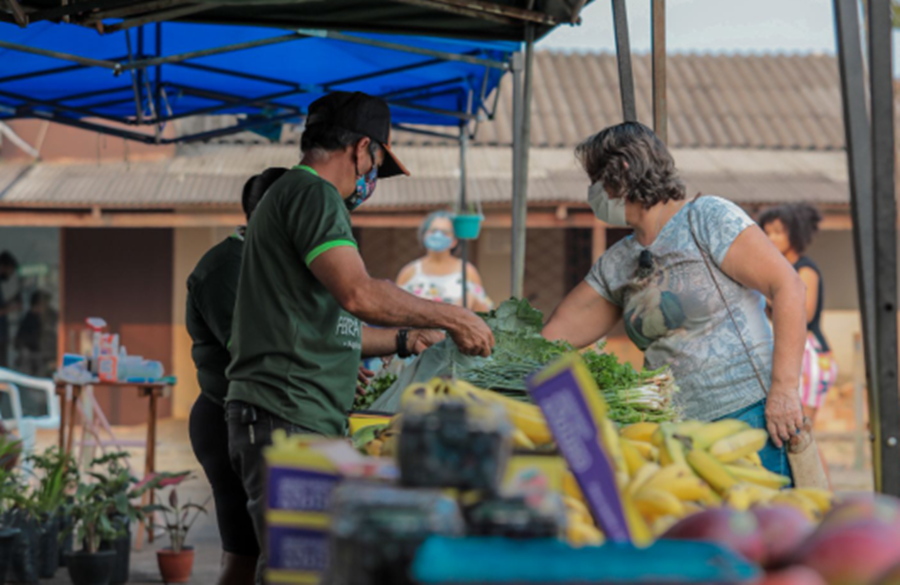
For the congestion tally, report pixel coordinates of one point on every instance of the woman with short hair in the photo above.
(691, 283)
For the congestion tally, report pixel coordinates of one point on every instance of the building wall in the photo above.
(125, 277)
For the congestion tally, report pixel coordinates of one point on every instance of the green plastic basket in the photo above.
(467, 227)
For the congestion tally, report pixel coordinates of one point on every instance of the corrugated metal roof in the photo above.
(213, 175)
(715, 101)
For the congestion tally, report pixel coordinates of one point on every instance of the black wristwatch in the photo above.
(403, 344)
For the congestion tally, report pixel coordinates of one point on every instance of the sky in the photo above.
(719, 26)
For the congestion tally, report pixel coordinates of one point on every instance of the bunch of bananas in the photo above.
(670, 470)
(530, 430)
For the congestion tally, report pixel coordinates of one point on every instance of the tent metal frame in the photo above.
(146, 97)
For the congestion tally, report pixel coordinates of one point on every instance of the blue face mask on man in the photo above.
(438, 241)
(365, 184)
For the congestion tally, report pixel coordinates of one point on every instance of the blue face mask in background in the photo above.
(438, 241)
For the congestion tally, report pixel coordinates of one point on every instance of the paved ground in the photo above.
(174, 454)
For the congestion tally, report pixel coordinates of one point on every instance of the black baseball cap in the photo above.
(361, 113)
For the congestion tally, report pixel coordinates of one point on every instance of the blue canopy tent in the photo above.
(120, 82)
(157, 73)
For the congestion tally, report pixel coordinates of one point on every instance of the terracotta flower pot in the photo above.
(175, 567)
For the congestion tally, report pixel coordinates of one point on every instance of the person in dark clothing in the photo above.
(791, 228)
(8, 267)
(29, 339)
(212, 289)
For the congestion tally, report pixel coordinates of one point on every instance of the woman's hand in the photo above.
(784, 417)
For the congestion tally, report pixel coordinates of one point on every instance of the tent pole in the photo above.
(463, 151)
(623, 58)
(522, 139)
(660, 103)
(59, 55)
(885, 212)
(859, 164)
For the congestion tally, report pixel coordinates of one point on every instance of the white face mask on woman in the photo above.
(610, 211)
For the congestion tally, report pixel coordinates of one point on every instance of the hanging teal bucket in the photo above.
(467, 227)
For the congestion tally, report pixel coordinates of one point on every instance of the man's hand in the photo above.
(472, 336)
(421, 339)
(362, 380)
(784, 416)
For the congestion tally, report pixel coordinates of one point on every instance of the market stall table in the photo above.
(70, 394)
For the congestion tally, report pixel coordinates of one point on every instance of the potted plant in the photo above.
(120, 489)
(10, 490)
(57, 475)
(177, 561)
(91, 512)
(467, 222)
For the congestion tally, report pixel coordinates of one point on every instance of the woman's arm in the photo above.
(582, 318)
(754, 262)
(811, 279)
(476, 302)
(406, 274)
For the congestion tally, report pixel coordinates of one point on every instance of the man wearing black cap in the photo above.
(297, 336)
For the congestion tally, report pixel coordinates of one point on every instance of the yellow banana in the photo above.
(417, 393)
(583, 534)
(740, 497)
(737, 446)
(665, 476)
(655, 503)
(570, 486)
(754, 458)
(640, 532)
(633, 458)
(642, 431)
(686, 428)
(798, 501)
(716, 431)
(824, 499)
(610, 439)
(521, 440)
(671, 449)
(691, 508)
(647, 451)
(691, 489)
(711, 470)
(575, 506)
(663, 523)
(642, 477)
(526, 417)
(759, 476)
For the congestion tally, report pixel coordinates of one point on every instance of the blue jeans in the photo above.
(773, 458)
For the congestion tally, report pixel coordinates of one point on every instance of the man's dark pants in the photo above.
(250, 430)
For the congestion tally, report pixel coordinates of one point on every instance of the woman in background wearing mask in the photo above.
(691, 283)
(438, 275)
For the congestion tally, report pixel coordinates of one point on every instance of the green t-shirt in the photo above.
(295, 351)
(212, 288)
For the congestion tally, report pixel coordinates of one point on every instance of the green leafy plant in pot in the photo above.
(11, 490)
(57, 476)
(93, 523)
(177, 561)
(119, 489)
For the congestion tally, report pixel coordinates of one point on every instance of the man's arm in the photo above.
(380, 302)
(383, 342)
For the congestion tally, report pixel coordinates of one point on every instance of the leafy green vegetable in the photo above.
(378, 386)
(521, 350)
